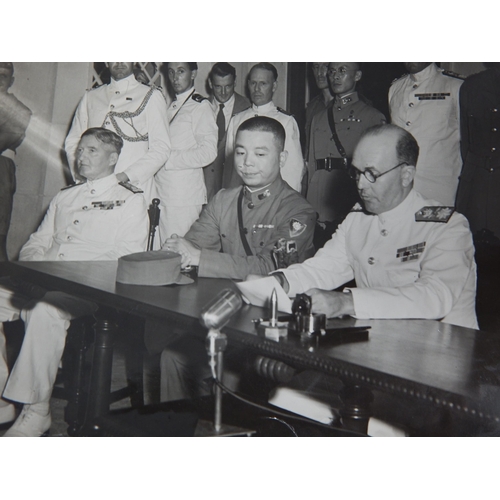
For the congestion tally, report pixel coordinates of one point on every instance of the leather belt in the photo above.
(488, 161)
(330, 164)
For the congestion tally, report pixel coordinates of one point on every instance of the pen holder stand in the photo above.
(274, 332)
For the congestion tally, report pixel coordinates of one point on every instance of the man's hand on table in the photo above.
(333, 304)
(189, 253)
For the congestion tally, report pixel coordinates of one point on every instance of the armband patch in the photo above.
(434, 214)
(296, 228)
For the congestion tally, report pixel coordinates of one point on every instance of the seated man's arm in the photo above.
(224, 265)
(41, 240)
(446, 269)
(158, 142)
(205, 133)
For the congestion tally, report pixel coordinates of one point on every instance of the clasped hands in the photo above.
(190, 255)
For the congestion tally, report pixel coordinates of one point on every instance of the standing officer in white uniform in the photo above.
(194, 134)
(425, 103)
(138, 114)
(410, 257)
(262, 83)
(95, 220)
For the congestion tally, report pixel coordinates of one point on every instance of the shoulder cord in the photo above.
(243, 236)
(112, 115)
(180, 107)
(335, 137)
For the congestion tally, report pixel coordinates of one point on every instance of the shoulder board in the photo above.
(281, 110)
(453, 75)
(434, 214)
(131, 187)
(98, 87)
(73, 185)
(198, 98)
(399, 78)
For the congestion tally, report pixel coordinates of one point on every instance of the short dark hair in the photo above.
(105, 136)
(267, 66)
(193, 66)
(265, 124)
(406, 148)
(222, 69)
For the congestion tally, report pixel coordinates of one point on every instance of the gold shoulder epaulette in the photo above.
(198, 98)
(73, 185)
(434, 214)
(131, 187)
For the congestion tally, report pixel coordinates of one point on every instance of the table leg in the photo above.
(356, 411)
(102, 361)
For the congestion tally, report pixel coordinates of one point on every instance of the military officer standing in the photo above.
(410, 257)
(94, 220)
(194, 133)
(262, 84)
(425, 103)
(320, 102)
(14, 120)
(335, 132)
(138, 114)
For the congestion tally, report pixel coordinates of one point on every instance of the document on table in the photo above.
(258, 293)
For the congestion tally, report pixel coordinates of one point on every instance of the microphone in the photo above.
(217, 313)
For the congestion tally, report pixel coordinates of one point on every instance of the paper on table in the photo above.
(258, 293)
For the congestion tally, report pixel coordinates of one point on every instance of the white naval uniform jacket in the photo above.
(426, 105)
(293, 170)
(140, 160)
(403, 268)
(194, 135)
(96, 220)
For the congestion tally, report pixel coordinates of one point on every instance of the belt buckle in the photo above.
(328, 164)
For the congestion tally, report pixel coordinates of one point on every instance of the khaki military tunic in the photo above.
(274, 213)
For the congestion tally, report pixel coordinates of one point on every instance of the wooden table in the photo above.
(425, 361)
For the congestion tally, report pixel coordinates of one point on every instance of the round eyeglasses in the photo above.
(354, 173)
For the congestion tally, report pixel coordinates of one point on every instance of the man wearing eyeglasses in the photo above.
(411, 257)
(333, 135)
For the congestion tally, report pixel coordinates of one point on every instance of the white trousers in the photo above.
(46, 321)
(177, 220)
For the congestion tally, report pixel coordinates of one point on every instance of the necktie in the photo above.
(221, 122)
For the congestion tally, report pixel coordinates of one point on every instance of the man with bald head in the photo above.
(410, 257)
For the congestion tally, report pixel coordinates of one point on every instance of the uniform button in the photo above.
(69, 238)
(411, 105)
(61, 255)
(261, 243)
(92, 191)
(408, 124)
(415, 86)
(339, 108)
(117, 92)
(495, 110)
(492, 169)
(107, 123)
(384, 232)
(251, 205)
(371, 261)
(494, 129)
(76, 222)
(112, 106)
(85, 207)
(493, 149)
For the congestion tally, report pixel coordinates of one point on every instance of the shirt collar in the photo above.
(267, 192)
(101, 185)
(400, 211)
(346, 99)
(180, 98)
(215, 103)
(123, 83)
(265, 108)
(426, 73)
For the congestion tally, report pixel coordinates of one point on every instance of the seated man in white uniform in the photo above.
(410, 256)
(94, 220)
